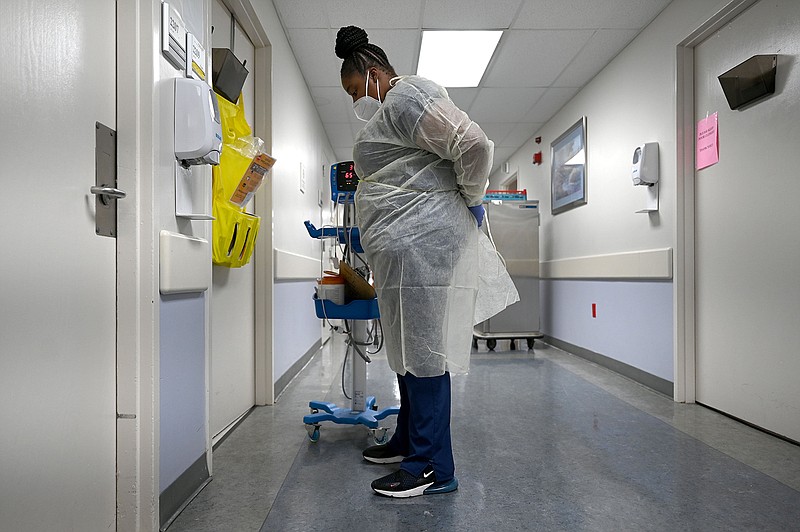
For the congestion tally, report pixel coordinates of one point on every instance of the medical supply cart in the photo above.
(512, 222)
(360, 315)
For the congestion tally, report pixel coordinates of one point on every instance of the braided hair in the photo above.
(358, 53)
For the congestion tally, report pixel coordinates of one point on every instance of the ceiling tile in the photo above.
(469, 14)
(533, 58)
(617, 14)
(374, 13)
(334, 129)
(344, 154)
(549, 104)
(462, 97)
(598, 52)
(305, 14)
(333, 104)
(313, 50)
(522, 133)
(503, 104)
(501, 155)
(554, 47)
(497, 131)
(401, 47)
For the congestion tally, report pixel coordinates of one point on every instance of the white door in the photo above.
(748, 228)
(57, 277)
(232, 377)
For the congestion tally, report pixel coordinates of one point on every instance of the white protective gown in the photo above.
(421, 162)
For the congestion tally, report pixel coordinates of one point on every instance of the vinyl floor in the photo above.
(543, 440)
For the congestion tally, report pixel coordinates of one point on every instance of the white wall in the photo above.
(299, 143)
(630, 102)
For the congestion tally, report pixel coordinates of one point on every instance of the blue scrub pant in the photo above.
(423, 426)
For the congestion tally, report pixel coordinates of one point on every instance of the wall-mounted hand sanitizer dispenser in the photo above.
(198, 132)
(645, 164)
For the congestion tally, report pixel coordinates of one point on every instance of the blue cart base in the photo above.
(323, 411)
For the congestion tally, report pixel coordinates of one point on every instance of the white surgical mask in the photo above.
(366, 106)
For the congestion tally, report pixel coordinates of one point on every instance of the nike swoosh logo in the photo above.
(426, 475)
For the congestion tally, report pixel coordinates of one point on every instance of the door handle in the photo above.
(107, 192)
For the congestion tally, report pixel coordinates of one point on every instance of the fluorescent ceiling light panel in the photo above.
(456, 58)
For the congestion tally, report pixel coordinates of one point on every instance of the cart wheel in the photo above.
(313, 433)
(530, 343)
(380, 436)
(513, 345)
(491, 343)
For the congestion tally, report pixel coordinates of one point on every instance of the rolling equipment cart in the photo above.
(513, 225)
(357, 314)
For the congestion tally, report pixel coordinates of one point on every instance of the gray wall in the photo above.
(633, 323)
(293, 336)
(182, 382)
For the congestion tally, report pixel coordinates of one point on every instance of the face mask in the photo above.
(366, 106)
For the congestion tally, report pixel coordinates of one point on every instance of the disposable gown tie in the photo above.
(421, 163)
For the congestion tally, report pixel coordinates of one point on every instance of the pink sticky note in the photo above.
(706, 146)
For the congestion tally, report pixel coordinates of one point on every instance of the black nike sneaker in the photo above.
(401, 483)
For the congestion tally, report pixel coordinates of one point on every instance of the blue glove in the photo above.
(478, 212)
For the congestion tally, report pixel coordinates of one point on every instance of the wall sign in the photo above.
(706, 143)
(195, 58)
(173, 36)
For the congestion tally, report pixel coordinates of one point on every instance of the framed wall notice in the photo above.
(568, 168)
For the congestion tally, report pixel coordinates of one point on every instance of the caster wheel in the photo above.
(530, 343)
(380, 437)
(513, 345)
(313, 433)
(314, 410)
(491, 344)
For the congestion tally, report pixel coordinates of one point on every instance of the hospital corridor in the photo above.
(409, 265)
(543, 440)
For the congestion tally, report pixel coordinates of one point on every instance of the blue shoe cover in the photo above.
(442, 487)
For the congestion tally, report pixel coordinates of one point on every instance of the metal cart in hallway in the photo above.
(513, 225)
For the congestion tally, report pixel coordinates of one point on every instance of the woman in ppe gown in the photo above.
(423, 166)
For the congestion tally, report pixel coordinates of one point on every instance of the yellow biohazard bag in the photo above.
(242, 166)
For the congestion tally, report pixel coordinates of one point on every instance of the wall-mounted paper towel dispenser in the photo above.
(198, 132)
(645, 164)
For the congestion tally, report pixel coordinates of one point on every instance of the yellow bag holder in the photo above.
(234, 230)
(234, 234)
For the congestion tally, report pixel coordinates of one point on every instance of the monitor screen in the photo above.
(346, 178)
